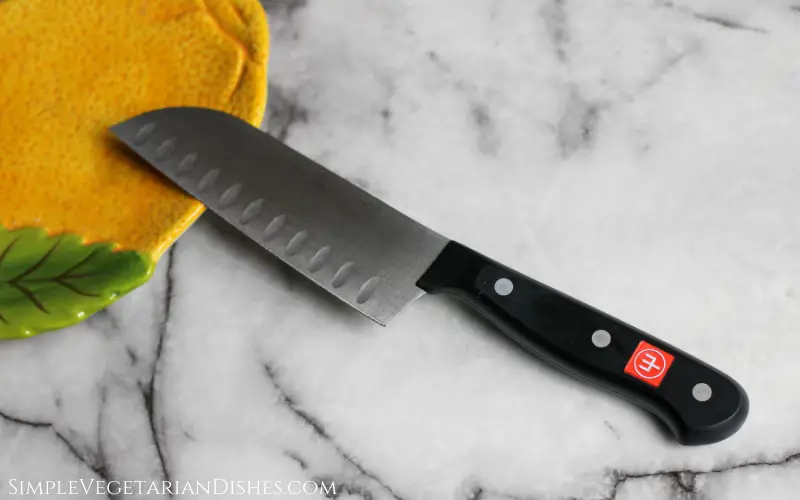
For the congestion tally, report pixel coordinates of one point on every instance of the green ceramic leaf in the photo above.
(49, 282)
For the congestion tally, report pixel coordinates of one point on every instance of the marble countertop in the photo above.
(640, 155)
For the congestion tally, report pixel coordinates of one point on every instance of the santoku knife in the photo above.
(377, 260)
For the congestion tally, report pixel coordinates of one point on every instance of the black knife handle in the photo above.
(698, 403)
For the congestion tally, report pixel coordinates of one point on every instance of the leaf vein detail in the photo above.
(8, 249)
(31, 296)
(38, 264)
(83, 261)
(75, 289)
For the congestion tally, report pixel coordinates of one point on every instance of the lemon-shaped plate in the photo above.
(82, 222)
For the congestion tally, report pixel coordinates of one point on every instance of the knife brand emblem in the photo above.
(649, 364)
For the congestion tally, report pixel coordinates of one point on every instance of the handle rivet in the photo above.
(701, 392)
(601, 338)
(503, 286)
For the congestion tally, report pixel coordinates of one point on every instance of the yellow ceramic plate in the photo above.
(81, 221)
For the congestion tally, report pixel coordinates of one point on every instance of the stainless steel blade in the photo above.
(347, 241)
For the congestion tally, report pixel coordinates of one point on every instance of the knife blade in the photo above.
(379, 261)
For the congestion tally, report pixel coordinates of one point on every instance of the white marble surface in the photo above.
(642, 155)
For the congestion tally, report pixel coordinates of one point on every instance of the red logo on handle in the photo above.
(649, 364)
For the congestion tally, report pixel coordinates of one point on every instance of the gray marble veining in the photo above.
(641, 155)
